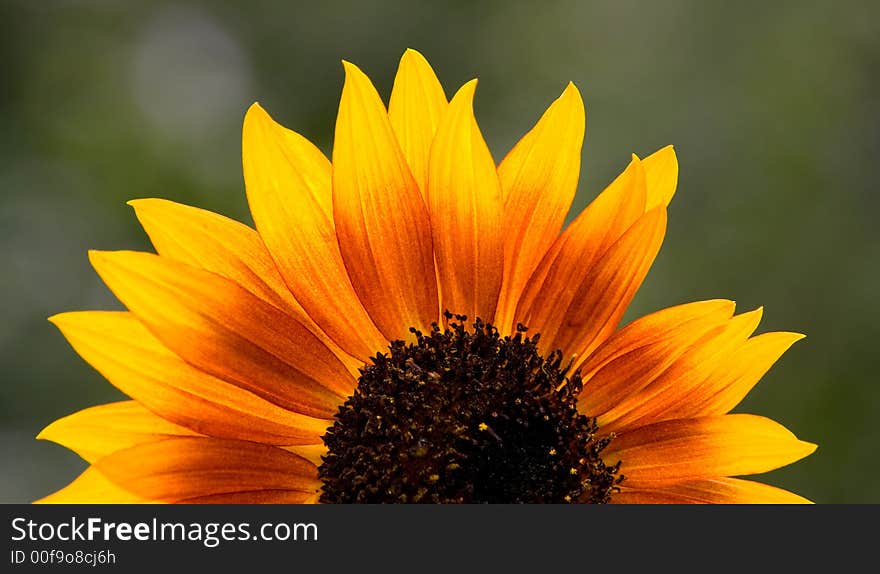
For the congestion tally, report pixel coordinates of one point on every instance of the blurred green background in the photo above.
(772, 107)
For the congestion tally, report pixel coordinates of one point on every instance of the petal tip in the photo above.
(97, 257)
(662, 166)
(142, 203)
(357, 85)
(809, 447)
(350, 69)
(42, 435)
(793, 337)
(756, 314)
(666, 153)
(411, 54)
(102, 260)
(572, 94)
(465, 93)
(256, 116)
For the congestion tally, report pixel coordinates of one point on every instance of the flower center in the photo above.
(465, 416)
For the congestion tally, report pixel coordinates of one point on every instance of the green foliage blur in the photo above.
(772, 107)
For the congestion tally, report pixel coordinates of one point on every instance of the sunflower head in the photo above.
(366, 342)
(465, 415)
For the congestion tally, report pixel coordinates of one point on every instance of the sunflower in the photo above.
(412, 323)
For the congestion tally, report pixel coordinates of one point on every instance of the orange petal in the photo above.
(256, 497)
(656, 328)
(92, 487)
(662, 396)
(417, 103)
(98, 431)
(210, 241)
(228, 248)
(464, 200)
(311, 452)
(539, 179)
(733, 381)
(636, 355)
(710, 491)
(182, 469)
(553, 285)
(120, 348)
(222, 329)
(661, 175)
(578, 317)
(680, 450)
(381, 221)
(290, 197)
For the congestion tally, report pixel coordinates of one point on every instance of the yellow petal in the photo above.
(98, 431)
(464, 200)
(710, 491)
(417, 103)
(538, 179)
(661, 175)
(381, 221)
(662, 396)
(737, 376)
(552, 286)
(290, 197)
(182, 469)
(636, 355)
(680, 450)
(578, 317)
(92, 487)
(222, 329)
(134, 361)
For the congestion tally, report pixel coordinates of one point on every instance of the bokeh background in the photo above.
(772, 107)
